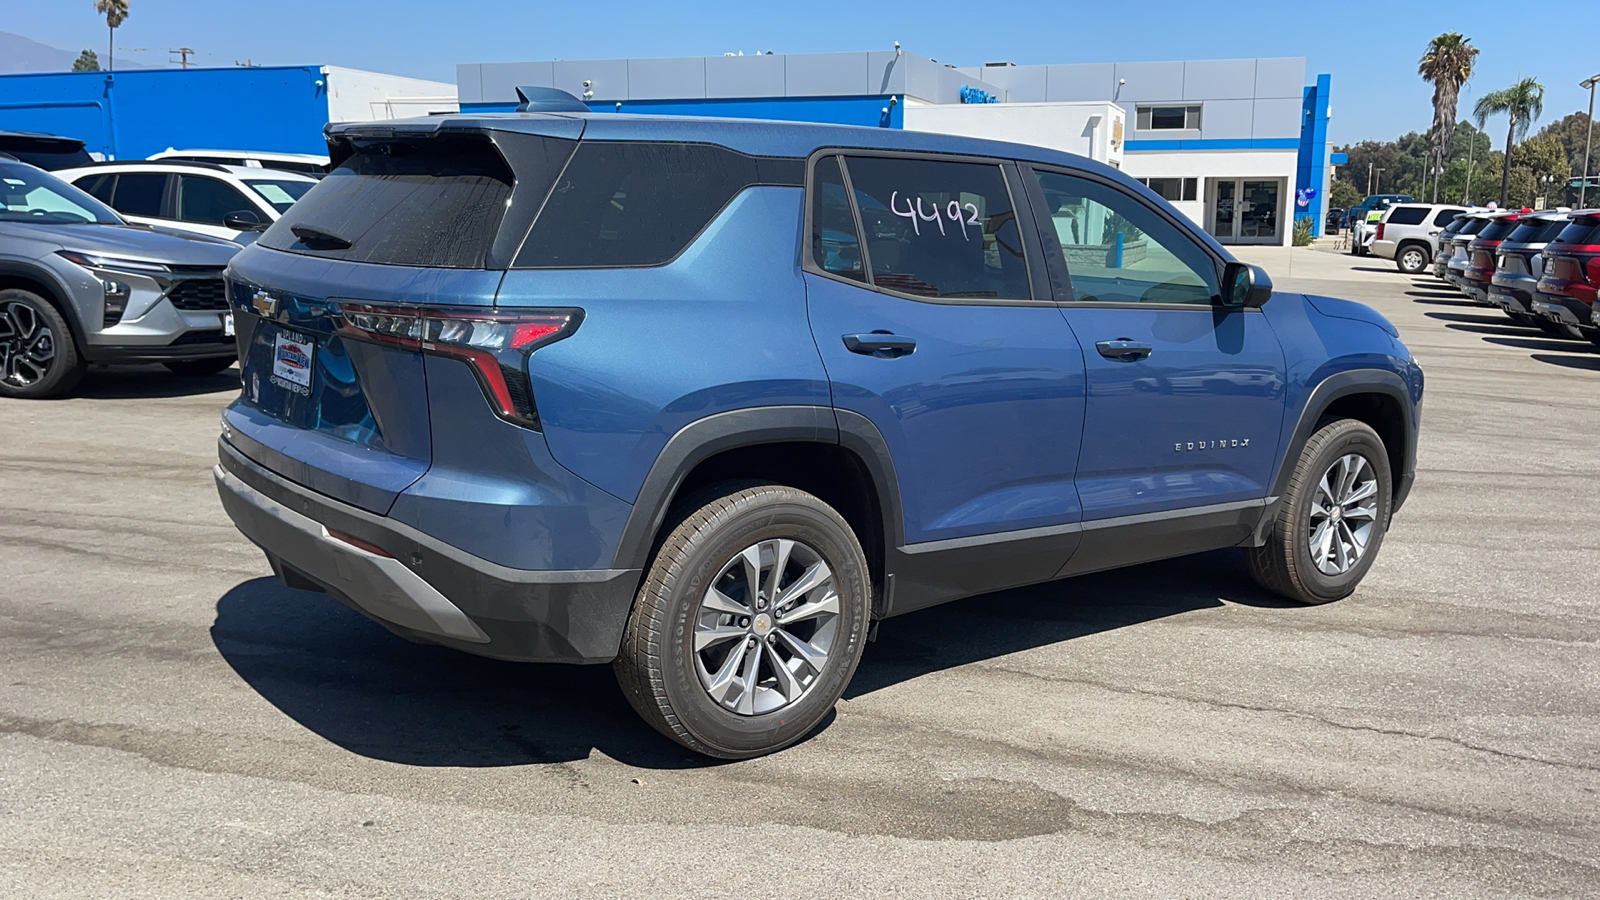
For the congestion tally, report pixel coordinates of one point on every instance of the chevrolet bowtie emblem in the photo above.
(265, 304)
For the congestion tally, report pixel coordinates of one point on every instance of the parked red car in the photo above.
(1566, 291)
(1481, 254)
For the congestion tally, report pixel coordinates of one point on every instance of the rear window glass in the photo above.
(1497, 229)
(1472, 226)
(622, 203)
(428, 203)
(1408, 215)
(1585, 231)
(1446, 216)
(1535, 231)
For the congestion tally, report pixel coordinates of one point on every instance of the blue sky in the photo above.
(1370, 49)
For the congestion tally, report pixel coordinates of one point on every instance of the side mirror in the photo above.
(1245, 286)
(244, 220)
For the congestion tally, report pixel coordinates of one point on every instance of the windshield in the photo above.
(30, 195)
(281, 194)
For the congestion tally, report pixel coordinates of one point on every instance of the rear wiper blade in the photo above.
(319, 238)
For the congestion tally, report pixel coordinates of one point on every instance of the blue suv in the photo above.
(707, 399)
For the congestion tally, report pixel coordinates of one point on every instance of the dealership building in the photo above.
(1238, 145)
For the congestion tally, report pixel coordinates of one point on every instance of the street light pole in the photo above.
(1588, 138)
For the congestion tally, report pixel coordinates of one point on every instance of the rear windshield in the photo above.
(1408, 215)
(1582, 231)
(1473, 226)
(1535, 231)
(431, 203)
(1497, 229)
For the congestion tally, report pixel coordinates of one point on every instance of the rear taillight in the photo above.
(496, 345)
(1379, 235)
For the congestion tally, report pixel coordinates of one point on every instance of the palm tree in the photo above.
(1523, 102)
(116, 12)
(1446, 65)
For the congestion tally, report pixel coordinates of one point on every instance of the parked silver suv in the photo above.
(79, 285)
(1409, 233)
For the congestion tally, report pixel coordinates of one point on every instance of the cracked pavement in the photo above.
(174, 723)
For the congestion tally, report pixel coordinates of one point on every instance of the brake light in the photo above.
(495, 345)
(1379, 235)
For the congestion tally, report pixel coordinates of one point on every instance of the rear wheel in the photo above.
(1411, 259)
(750, 622)
(1331, 520)
(199, 366)
(38, 358)
(1592, 335)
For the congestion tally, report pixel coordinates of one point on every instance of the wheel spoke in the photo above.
(710, 636)
(809, 654)
(826, 602)
(781, 549)
(1321, 544)
(726, 678)
(788, 685)
(716, 601)
(1360, 493)
(1362, 512)
(747, 701)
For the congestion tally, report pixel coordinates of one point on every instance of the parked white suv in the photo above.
(232, 202)
(1409, 234)
(312, 164)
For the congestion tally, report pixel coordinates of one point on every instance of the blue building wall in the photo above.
(1311, 170)
(862, 111)
(132, 114)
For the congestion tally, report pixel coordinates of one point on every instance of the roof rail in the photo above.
(218, 167)
(545, 99)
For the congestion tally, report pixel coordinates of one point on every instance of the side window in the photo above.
(140, 194)
(206, 201)
(939, 229)
(835, 241)
(1118, 250)
(1407, 215)
(633, 204)
(97, 186)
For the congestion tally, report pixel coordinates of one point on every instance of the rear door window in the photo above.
(140, 194)
(436, 202)
(939, 228)
(207, 201)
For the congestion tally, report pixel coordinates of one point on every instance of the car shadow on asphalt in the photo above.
(1551, 344)
(150, 382)
(1592, 363)
(360, 687)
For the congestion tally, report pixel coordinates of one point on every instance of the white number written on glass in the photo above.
(952, 211)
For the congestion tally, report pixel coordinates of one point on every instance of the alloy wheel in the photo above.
(27, 345)
(1344, 510)
(766, 627)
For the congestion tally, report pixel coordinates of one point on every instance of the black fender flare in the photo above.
(703, 438)
(1344, 384)
(62, 294)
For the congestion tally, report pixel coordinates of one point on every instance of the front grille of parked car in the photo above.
(199, 294)
(211, 336)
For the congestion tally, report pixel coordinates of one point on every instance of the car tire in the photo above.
(1412, 259)
(39, 358)
(1298, 559)
(1592, 335)
(199, 367)
(1555, 329)
(694, 629)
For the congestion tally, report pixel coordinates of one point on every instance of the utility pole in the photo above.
(183, 53)
(1369, 179)
(1472, 145)
(1378, 184)
(1588, 138)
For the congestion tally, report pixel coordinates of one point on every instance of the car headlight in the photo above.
(114, 263)
(116, 291)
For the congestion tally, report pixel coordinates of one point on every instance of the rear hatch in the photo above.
(1572, 260)
(329, 301)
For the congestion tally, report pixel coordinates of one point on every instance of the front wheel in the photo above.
(38, 358)
(750, 622)
(1332, 519)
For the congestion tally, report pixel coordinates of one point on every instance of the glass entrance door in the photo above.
(1247, 211)
(1223, 226)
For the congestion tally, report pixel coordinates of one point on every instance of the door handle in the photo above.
(880, 343)
(1123, 349)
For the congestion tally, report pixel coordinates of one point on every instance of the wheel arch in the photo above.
(843, 460)
(37, 280)
(1377, 397)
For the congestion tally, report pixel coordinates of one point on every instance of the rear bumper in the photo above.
(1384, 248)
(1565, 310)
(420, 587)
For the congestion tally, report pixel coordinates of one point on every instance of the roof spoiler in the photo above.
(545, 99)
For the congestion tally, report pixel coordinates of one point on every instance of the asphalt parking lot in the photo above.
(175, 723)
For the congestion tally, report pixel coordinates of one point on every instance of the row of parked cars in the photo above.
(1542, 268)
(106, 262)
